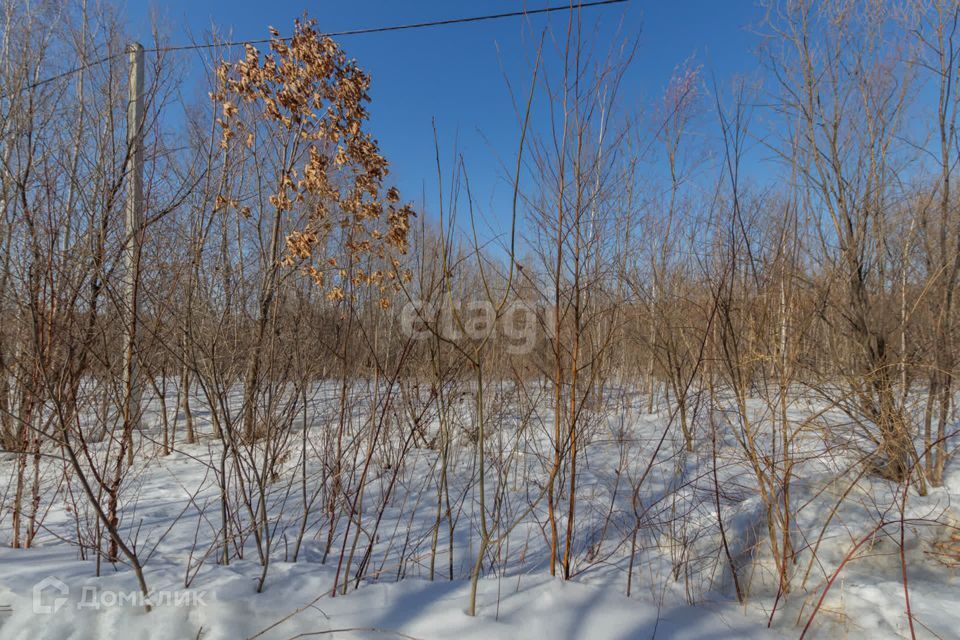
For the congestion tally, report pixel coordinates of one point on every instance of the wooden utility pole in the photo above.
(131, 250)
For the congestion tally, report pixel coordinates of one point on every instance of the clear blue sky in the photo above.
(456, 73)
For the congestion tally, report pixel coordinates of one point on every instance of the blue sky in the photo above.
(455, 73)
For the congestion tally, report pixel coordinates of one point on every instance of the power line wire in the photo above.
(403, 27)
(351, 32)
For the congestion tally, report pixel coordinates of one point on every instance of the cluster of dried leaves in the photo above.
(308, 92)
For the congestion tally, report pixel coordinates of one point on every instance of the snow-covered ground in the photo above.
(681, 584)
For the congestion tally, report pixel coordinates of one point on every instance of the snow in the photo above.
(681, 584)
(526, 606)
